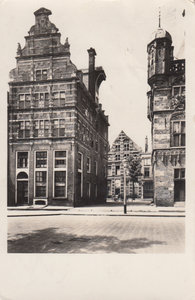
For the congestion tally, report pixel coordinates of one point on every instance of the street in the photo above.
(96, 234)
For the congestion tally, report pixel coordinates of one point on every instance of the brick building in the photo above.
(121, 150)
(166, 111)
(58, 132)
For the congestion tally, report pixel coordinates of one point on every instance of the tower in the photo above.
(160, 53)
(166, 111)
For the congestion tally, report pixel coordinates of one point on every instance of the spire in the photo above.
(159, 18)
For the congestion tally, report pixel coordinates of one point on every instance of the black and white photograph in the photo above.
(94, 118)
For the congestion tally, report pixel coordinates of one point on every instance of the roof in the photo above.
(42, 11)
(161, 33)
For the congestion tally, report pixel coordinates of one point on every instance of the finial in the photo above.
(67, 43)
(19, 49)
(159, 18)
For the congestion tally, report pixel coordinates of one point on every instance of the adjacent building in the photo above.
(120, 151)
(147, 174)
(57, 130)
(166, 111)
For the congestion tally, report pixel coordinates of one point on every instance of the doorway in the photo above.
(179, 184)
(179, 190)
(22, 188)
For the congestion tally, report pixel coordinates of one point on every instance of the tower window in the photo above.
(178, 133)
(178, 91)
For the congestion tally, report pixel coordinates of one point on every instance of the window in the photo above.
(80, 175)
(95, 167)
(40, 173)
(88, 165)
(60, 183)
(60, 159)
(117, 170)
(178, 133)
(147, 161)
(27, 129)
(59, 98)
(24, 101)
(117, 157)
(41, 100)
(69, 89)
(41, 128)
(22, 160)
(69, 116)
(126, 147)
(117, 147)
(96, 145)
(146, 172)
(109, 171)
(178, 90)
(41, 74)
(41, 159)
(60, 164)
(179, 174)
(59, 127)
(24, 129)
(40, 181)
(79, 161)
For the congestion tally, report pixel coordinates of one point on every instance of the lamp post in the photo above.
(125, 195)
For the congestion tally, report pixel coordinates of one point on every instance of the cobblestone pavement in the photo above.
(96, 234)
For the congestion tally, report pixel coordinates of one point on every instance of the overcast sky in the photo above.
(119, 31)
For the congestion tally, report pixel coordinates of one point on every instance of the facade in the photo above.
(147, 174)
(121, 149)
(57, 131)
(166, 111)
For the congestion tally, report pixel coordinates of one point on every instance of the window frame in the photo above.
(60, 169)
(180, 87)
(42, 75)
(88, 164)
(41, 169)
(181, 135)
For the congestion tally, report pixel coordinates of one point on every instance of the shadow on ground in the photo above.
(51, 241)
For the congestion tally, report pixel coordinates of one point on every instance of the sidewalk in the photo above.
(136, 208)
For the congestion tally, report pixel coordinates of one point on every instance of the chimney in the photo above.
(146, 144)
(91, 79)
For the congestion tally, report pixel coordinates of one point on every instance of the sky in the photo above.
(119, 31)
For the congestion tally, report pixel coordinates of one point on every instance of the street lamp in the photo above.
(125, 196)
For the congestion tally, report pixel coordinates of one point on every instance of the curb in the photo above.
(100, 214)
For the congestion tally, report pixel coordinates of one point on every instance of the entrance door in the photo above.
(179, 190)
(22, 192)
